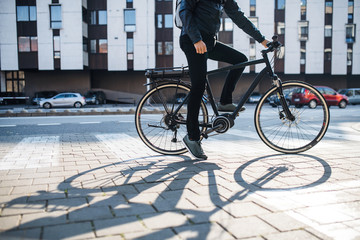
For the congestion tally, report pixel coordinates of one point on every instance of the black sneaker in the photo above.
(229, 107)
(194, 147)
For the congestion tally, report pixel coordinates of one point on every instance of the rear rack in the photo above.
(177, 72)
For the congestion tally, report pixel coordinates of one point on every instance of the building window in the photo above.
(349, 57)
(350, 11)
(252, 53)
(129, 20)
(160, 48)
(33, 44)
(280, 28)
(252, 7)
(169, 48)
(28, 44)
(26, 13)
(93, 46)
(159, 21)
(350, 33)
(24, 44)
(302, 56)
(303, 9)
(102, 17)
(328, 30)
(93, 18)
(165, 48)
(85, 44)
(98, 46)
(130, 48)
(303, 30)
(164, 20)
(280, 4)
(327, 53)
(255, 21)
(98, 17)
(15, 82)
(329, 7)
(281, 53)
(168, 20)
(351, 6)
(226, 24)
(103, 46)
(55, 16)
(84, 14)
(56, 47)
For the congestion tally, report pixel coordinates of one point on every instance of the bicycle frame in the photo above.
(256, 81)
(267, 69)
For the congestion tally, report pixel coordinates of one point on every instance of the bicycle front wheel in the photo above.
(160, 118)
(297, 135)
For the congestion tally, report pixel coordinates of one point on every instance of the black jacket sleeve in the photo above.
(186, 13)
(237, 16)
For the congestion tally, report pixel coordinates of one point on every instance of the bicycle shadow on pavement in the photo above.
(271, 172)
(121, 202)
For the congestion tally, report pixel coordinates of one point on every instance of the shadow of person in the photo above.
(176, 174)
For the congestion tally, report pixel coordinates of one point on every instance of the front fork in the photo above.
(277, 82)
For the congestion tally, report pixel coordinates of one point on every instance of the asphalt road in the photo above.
(342, 121)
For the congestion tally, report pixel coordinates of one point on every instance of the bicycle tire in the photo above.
(283, 135)
(155, 114)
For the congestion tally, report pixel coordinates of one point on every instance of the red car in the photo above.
(303, 97)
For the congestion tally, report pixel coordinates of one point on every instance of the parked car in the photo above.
(38, 96)
(95, 97)
(303, 97)
(353, 95)
(254, 97)
(63, 100)
(275, 101)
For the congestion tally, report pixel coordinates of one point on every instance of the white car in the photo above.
(64, 100)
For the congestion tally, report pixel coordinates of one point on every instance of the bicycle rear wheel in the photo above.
(160, 118)
(301, 134)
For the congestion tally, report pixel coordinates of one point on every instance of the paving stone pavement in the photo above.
(111, 186)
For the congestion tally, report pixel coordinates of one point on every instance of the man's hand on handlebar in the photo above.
(264, 43)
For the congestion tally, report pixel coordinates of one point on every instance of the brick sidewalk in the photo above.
(110, 186)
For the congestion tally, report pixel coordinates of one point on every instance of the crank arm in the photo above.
(206, 133)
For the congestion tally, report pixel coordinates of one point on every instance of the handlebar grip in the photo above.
(275, 43)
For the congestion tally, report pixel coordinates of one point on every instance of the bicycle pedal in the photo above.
(205, 135)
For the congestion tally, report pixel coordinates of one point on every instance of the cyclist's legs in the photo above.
(197, 70)
(224, 53)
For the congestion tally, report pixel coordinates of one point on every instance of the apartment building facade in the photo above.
(76, 45)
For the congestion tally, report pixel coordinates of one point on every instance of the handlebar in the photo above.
(272, 46)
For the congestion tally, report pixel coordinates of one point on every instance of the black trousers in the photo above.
(198, 69)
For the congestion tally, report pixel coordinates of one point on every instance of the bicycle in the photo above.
(289, 127)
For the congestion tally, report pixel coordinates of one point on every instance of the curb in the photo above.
(66, 112)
